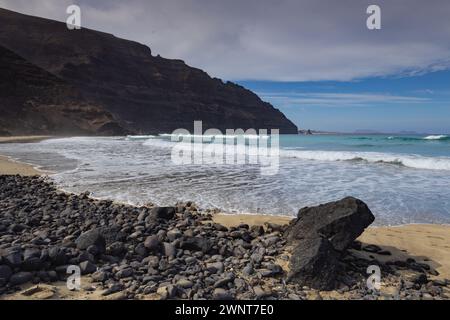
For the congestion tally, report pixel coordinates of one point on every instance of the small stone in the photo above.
(173, 234)
(215, 267)
(223, 281)
(167, 292)
(116, 249)
(5, 273)
(152, 243)
(87, 267)
(248, 270)
(116, 287)
(221, 294)
(163, 213)
(256, 258)
(20, 278)
(184, 283)
(260, 292)
(372, 248)
(90, 238)
(141, 250)
(124, 273)
(169, 249)
(427, 296)
(14, 258)
(99, 276)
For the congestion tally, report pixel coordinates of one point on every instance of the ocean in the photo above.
(403, 179)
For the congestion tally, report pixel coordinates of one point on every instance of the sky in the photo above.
(315, 60)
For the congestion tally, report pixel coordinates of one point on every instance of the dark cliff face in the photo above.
(147, 94)
(34, 101)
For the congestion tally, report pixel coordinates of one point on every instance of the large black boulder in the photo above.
(320, 235)
(314, 263)
(341, 222)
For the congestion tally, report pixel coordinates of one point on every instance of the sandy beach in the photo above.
(23, 139)
(429, 244)
(8, 166)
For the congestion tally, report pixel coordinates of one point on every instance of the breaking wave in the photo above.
(411, 161)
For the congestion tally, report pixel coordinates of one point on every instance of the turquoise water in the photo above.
(425, 145)
(403, 179)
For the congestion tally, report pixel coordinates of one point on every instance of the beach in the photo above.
(23, 139)
(9, 166)
(424, 244)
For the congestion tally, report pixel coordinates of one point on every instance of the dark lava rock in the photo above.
(87, 267)
(248, 270)
(341, 222)
(20, 278)
(5, 273)
(116, 249)
(152, 243)
(57, 256)
(32, 260)
(196, 244)
(314, 263)
(164, 213)
(222, 294)
(372, 248)
(169, 249)
(91, 238)
(320, 236)
(13, 258)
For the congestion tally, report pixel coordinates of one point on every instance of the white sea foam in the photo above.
(142, 137)
(411, 161)
(218, 136)
(436, 137)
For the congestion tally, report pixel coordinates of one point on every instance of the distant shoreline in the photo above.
(23, 139)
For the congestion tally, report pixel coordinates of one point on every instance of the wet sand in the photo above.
(9, 167)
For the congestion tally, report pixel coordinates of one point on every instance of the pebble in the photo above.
(152, 250)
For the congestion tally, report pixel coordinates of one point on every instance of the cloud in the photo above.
(338, 99)
(285, 40)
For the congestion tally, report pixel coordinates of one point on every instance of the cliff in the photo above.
(145, 93)
(34, 101)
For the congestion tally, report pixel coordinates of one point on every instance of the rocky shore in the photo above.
(180, 252)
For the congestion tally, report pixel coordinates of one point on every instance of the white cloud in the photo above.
(275, 40)
(338, 99)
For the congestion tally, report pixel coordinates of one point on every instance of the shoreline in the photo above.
(24, 139)
(425, 243)
(9, 166)
(379, 235)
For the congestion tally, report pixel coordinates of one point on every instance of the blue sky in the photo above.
(417, 102)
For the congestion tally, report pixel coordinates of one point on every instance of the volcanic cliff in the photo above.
(138, 91)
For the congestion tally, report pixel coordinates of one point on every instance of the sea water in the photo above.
(403, 179)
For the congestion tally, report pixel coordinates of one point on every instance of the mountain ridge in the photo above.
(144, 93)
